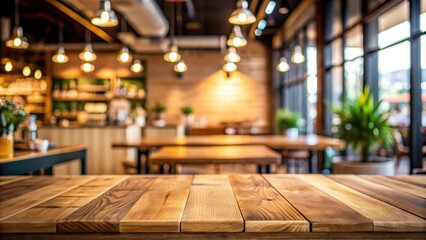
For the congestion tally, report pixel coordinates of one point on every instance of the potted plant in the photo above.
(287, 121)
(364, 126)
(188, 112)
(11, 116)
(159, 109)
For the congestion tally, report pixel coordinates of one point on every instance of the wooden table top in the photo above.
(308, 142)
(20, 155)
(248, 203)
(218, 154)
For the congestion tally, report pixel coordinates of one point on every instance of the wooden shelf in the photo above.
(96, 98)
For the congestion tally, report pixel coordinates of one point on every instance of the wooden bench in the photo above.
(255, 154)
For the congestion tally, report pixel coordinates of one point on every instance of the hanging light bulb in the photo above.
(283, 65)
(124, 55)
(105, 17)
(232, 55)
(136, 66)
(88, 55)
(181, 67)
(173, 54)
(8, 66)
(26, 71)
(38, 74)
(87, 67)
(60, 56)
(242, 15)
(17, 40)
(297, 56)
(229, 67)
(236, 39)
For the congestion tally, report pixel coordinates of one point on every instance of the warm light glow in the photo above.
(136, 66)
(283, 65)
(180, 67)
(230, 67)
(124, 55)
(236, 39)
(88, 55)
(297, 55)
(17, 40)
(8, 66)
(38, 74)
(232, 55)
(87, 67)
(173, 55)
(105, 17)
(26, 71)
(60, 56)
(242, 15)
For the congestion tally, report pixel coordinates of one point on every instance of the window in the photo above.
(423, 84)
(354, 45)
(336, 52)
(353, 78)
(353, 10)
(423, 17)
(394, 25)
(333, 21)
(373, 3)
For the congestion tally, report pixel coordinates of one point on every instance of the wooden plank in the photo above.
(43, 217)
(15, 189)
(18, 204)
(398, 185)
(211, 206)
(385, 217)
(324, 212)
(10, 179)
(263, 208)
(160, 209)
(104, 213)
(405, 201)
(416, 180)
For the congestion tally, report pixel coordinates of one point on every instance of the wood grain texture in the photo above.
(398, 185)
(23, 186)
(26, 154)
(324, 212)
(104, 213)
(10, 179)
(385, 217)
(43, 217)
(211, 206)
(405, 201)
(416, 180)
(263, 208)
(22, 202)
(161, 208)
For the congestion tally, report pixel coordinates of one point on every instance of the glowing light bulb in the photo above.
(283, 65)
(104, 16)
(136, 66)
(8, 66)
(297, 56)
(60, 56)
(26, 71)
(17, 42)
(230, 67)
(232, 55)
(87, 67)
(180, 67)
(242, 17)
(237, 41)
(38, 74)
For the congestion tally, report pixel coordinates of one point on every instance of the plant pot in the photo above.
(6, 145)
(188, 119)
(353, 165)
(159, 120)
(292, 133)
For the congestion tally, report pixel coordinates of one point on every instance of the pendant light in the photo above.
(232, 55)
(236, 39)
(26, 71)
(283, 65)
(8, 67)
(60, 56)
(136, 66)
(105, 17)
(87, 67)
(242, 15)
(297, 56)
(38, 74)
(230, 67)
(124, 54)
(180, 67)
(87, 55)
(17, 40)
(172, 55)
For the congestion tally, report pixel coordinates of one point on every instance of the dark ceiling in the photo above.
(41, 20)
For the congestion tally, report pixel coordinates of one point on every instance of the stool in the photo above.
(298, 160)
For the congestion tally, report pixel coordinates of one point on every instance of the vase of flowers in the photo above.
(11, 116)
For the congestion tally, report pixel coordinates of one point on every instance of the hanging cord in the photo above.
(172, 30)
(87, 36)
(17, 13)
(61, 32)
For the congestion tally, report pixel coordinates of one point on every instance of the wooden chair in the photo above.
(401, 150)
(299, 158)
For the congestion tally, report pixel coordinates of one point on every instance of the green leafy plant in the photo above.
(11, 116)
(159, 108)
(187, 110)
(363, 124)
(285, 119)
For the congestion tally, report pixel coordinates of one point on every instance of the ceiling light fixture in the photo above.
(172, 55)
(26, 71)
(232, 55)
(258, 32)
(137, 66)
(297, 56)
(229, 67)
(87, 67)
(180, 67)
(242, 15)
(87, 55)
(283, 66)
(60, 56)
(8, 67)
(284, 9)
(38, 74)
(105, 17)
(270, 7)
(236, 39)
(262, 24)
(17, 40)
(124, 56)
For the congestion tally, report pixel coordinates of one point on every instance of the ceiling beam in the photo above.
(69, 12)
(260, 15)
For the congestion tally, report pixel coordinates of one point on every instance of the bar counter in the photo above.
(247, 206)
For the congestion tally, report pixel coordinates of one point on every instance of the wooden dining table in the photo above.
(310, 143)
(237, 206)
